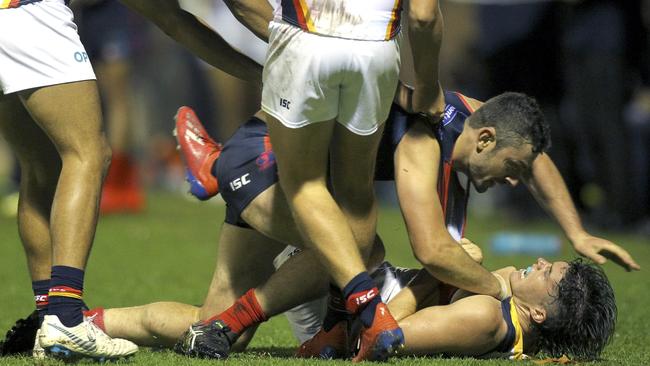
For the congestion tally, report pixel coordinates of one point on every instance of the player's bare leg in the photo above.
(76, 131)
(352, 176)
(302, 157)
(40, 166)
(244, 260)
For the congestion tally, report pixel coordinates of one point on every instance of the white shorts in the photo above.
(39, 46)
(306, 319)
(310, 78)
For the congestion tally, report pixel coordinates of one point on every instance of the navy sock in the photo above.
(336, 311)
(362, 297)
(41, 289)
(65, 296)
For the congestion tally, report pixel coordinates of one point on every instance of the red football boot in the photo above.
(383, 339)
(199, 152)
(326, 345)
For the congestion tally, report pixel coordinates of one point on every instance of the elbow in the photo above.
(433, 255)
(427, 258)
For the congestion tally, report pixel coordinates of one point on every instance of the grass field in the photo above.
(168, 253)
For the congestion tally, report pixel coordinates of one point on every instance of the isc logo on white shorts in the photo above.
(237, 183)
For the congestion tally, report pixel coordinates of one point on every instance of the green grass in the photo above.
(168, 253)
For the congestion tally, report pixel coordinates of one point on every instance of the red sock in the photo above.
(98, 313)
(245, 312)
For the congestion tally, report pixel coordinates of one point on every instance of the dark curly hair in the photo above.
(582, 317)
(517, 119)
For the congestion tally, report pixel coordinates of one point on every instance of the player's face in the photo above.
(537, 284)
(501, 166)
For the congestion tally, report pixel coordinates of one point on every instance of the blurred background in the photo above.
(586, 62)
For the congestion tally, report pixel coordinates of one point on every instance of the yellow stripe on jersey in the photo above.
(64, 294)
(518, 346)
(393, 18)
(307, 15)
(4, 4)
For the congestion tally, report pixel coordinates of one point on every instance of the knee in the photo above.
(95, 156)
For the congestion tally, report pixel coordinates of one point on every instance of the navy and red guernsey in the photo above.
(452, 189)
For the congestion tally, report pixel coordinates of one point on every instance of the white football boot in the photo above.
(85, 340)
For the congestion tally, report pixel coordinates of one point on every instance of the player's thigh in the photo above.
(70, 114)
(244, 260)
(301, 153)
(269, 214)
(36, 154)
(369, 84)
(353, 160)
(301, 78)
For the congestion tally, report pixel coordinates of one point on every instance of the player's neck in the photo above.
(528, 333)
(462, 151)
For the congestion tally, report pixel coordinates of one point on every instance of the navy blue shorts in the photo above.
(245, 168)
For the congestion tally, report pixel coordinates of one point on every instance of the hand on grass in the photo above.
(599, 250)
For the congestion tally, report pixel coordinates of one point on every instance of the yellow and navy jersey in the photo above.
(376, 20)
(6, 4)
(512, 346)
(453, 189)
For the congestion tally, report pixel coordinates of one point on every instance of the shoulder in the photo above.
(485, 314)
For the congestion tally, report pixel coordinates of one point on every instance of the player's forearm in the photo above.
(198, 38)
(205, 43)
(422, 291)
(449, 263)
(254, 14)
(550, 191)
(425, 29)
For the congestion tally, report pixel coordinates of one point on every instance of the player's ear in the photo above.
(538, 314)
(486, 139)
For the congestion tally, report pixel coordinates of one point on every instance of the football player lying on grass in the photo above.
(559, 308)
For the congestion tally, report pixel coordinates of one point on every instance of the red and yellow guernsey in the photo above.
(368, 20)
(6, 4)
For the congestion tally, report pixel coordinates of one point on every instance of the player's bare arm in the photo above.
(416, 172)
(471, 326)
(425, 30)
(547, 186)
(191, 32)
(254, 14)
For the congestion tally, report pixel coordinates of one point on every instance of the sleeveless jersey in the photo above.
(376, 20)
(512, 346)
(452, 188)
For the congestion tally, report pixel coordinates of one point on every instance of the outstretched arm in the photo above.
(197, 37)
(548, 188)
(254, 14)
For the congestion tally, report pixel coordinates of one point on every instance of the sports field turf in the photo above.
(168, 253)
